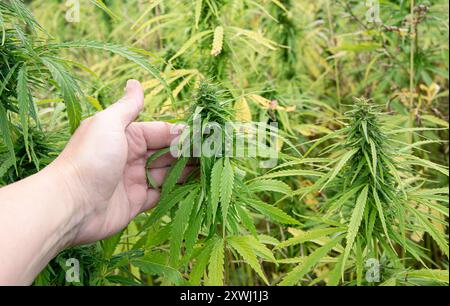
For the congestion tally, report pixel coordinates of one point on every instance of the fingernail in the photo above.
(127, 86)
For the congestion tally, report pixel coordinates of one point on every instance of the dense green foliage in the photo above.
(362, 107)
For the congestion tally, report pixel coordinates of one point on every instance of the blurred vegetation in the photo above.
(362, 107)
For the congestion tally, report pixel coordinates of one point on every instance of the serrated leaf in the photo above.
(337, 204)
(201, 263)
(289, 173)
(179, 226)
(226, 189)
(198, 12)
(260, 249)
(243, 112)
(71, 93)
(296, 275)
(355, 222)
(373, 150)
(166, 203)
(437, 236)
(271, 211)
(150, 181)
(173, 176)
(308, 236)
(133, 55)
(435, 120)
(24, 101)
(6, 133)
(216, 177)
(342, 162)
(190, 43)
(100, 4)
(193, 231)
(216, 265)
(153, 268)
(380, 210)
(243, 247)
(270, 185)
(246, 220)
(429, 274)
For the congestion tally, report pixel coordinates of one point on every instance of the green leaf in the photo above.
(374, 158)
(216, 177)
(260, 249)
(166, 203)
(21, 10)
(335, 274)
(110, 244)
(242, 245)
(342, 162)
(380, 210)
(296, 275)
(271, 211)
(435, 120)
(246, 220)
(216, 265)
(188, 44)
(179, 226)
(355, 222)
(173, 176)
(359, 262)
(270, 185)
(150, 181)
(335, 205)
(5, 165)
(309, 236)
(133, 55)
(192, 232)
(414, 160)
(439, 237)
(70, 91)
(100, 4)
(24, 101)
(202, 260)
(198, 12)
(389, 283)
(153, 268)
(226, 189)
(6, 133)
(429, 274)
(289, 173)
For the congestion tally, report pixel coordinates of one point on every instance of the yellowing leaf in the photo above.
(243, 112)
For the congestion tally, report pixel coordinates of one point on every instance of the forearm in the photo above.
(38, 219)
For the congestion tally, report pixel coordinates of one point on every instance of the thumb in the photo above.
(131, 104)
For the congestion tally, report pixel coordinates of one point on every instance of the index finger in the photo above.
(157, 134)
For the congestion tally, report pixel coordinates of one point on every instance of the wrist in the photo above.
(70, 197)
(40, 217)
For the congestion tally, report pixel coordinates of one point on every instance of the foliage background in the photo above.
(313, 58)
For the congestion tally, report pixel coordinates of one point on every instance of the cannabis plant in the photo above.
(377, 204)
(31, 63)
(212, 215)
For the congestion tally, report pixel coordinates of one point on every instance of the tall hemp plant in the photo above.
(212, 217)
(377, 205)
(30, 63)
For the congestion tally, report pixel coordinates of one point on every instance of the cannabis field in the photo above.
(358, 194)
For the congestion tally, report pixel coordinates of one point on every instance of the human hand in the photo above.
(104, 167)
(91, 191)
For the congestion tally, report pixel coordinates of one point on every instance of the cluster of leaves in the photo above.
(356, 180)
(30, 63)
(377, 205)
(217, 207)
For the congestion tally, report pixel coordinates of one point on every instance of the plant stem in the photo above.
(412, 50)
(336, 61)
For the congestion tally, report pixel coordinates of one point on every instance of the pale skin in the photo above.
(91, 191)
